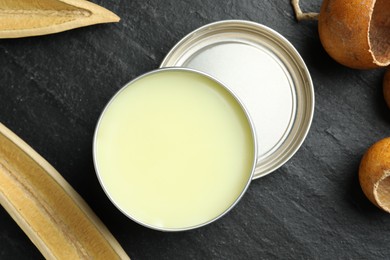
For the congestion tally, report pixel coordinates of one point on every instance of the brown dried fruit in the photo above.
(386, 87)
(356, 33)
(374, 174)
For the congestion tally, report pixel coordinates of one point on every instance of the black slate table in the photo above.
(53, 88)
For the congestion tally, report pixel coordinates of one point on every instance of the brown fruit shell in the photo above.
(374, 174)
(386, 87)
(356, 33)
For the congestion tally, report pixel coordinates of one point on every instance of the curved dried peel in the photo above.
(47, 208)
(23, 18)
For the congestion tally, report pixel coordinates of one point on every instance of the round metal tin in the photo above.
(222, 86)
(266, 72)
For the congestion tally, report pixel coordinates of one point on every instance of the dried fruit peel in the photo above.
(386, 87)
(25, 18)
(374, 174)
(379, 34)
(356, 33)
(47, 208)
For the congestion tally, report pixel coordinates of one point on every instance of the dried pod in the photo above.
(47, 208)
(356, 33)
(23, 18)
(374, 174)
(386, 87)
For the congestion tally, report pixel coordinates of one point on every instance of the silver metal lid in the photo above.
(266, 72)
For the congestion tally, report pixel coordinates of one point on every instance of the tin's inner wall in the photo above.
(260, 80)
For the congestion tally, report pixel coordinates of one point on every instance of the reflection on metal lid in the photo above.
(266, 72)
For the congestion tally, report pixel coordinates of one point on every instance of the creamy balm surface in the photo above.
(174, 150)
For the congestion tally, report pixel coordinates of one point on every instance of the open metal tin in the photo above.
(268, 75)
(113, 148)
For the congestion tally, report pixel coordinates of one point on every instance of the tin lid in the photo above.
(266, 72)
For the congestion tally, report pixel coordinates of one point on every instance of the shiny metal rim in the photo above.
(304, 90)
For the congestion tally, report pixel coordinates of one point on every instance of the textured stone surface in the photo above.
(53, 88)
